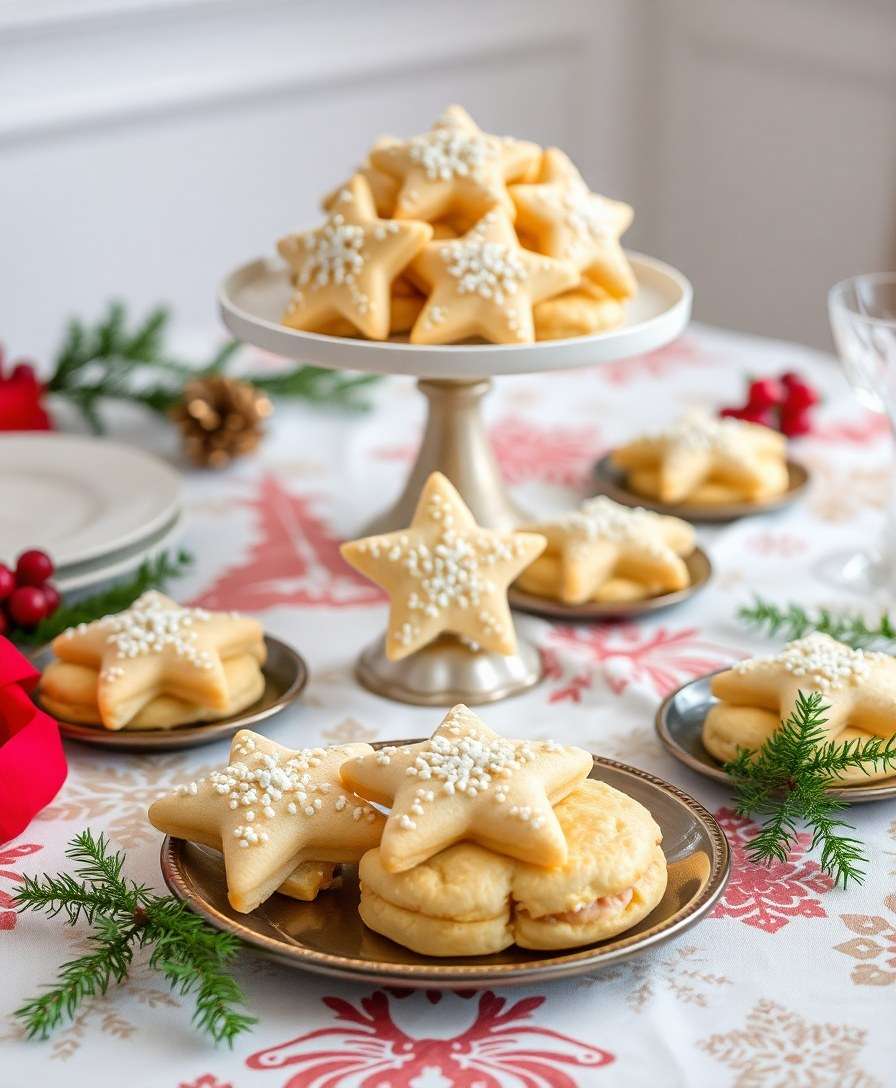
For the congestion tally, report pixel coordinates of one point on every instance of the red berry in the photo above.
(800, 396)
(27, 606)
(750, 413)
(33, 568)
(764, 393)
(24, 372)
(52, 597)
(7, 581)
(795, 421)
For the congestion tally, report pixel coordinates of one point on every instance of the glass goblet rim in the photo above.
(838, 300)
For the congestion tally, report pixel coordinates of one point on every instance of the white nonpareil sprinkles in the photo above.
(451, 574)
(152, 626)
(826, 664)
(490, 270)
(602, 519)
(699, 431)
(449, 152)
(263, 787)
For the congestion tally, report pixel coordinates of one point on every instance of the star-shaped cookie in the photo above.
(468, 783)
(269, 809)
(701, 459)
(454, 168)
(604, 541)
(157, 648)
(346, 267)
(485, 284)
(566, 220)
(859, 688)
(445, 574)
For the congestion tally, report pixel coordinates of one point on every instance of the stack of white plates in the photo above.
(98, 508)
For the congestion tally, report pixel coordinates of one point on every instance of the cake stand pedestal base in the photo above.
(456, 444)
(446, 672)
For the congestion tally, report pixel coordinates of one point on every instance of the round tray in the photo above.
(699, 569)
(328, 937)
(679, 724)
(611, 482)
(285, 675)
(253, 297)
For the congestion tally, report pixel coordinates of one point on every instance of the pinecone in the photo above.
(220, 419)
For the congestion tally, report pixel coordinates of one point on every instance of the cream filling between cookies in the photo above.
(605, 906)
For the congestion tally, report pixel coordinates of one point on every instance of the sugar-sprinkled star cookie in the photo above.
(603, 543)
(701, 459)
(445, 574)
(157, 648)
(468, 783)
(485, 284)
(566, 220)
(346, 267)
(454, 168)
(269, 809)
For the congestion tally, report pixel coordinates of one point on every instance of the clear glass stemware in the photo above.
(862, 312)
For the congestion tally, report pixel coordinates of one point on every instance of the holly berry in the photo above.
(33, 568)
(52, 597)
(7, 581)
(749, 414)
(765, 393)
(799, 394)
(795, 421)
(27, 606)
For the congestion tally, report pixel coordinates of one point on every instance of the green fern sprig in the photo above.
(787, 781)
(127, 916)
(792, 621)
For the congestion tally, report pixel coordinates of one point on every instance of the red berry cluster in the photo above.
(26, 594)
(784, 404)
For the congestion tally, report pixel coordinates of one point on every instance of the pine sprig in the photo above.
(792, 621)
(787, 783)
(110, 360)
(127, 916)
(151, 574)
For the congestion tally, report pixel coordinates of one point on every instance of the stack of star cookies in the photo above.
(456, 234)
(487, 842)
(706, 461)
(606, 552)
(156, 665)
(757, 694)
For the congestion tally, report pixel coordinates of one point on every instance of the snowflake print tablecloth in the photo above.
(790, 982)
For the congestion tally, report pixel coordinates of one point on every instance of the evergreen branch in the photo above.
(191, 955)
(109, 361)
(152, 574)
(792, 621)
(787, 781)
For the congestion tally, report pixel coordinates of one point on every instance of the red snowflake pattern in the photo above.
(768, 543)
(768, 897)
(495, 1051)
(9, 855)
(626, 656)
(206, 1080)
(856, 432)
(654, 364)
(526, 451)
(294, 559)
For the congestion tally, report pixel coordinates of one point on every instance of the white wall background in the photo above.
(148, 145)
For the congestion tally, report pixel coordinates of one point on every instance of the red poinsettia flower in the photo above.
(20, 399)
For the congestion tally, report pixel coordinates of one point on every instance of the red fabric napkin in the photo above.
(32, 763)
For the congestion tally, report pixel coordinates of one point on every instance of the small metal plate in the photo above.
(445, 672)
(328, 937)
(699, 569)
(679, 724)
(611, 481)
(285, 675)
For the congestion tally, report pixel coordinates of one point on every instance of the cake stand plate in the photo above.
(453, 377)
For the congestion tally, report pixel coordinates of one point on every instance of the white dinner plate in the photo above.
(79, 498)
(92, 573)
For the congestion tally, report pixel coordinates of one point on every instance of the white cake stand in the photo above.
(454, 379)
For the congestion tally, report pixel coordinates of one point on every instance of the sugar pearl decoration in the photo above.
(699, 431)
(826, 664)
(448, 152)
(149, 626)
(488, 269)
(602, 519)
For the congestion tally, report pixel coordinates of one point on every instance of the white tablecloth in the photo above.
(790, 982)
